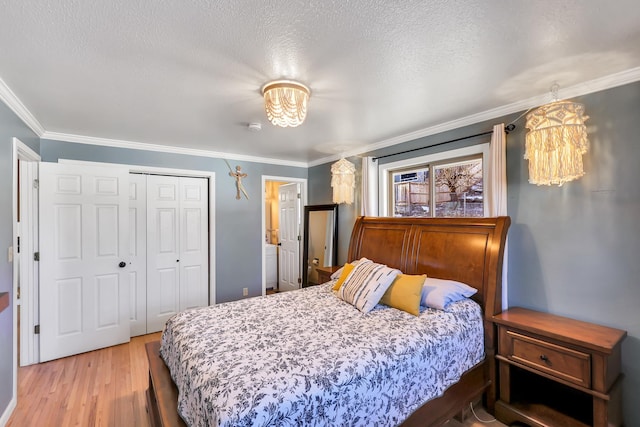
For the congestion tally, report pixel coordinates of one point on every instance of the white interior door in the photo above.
(84, 292)
(194, 239)
(163, 252)
(138, 254)
(289, 257)
(177, 247)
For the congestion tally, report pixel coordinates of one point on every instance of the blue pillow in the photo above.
(438, 293)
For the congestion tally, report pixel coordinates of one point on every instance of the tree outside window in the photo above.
(459, 189)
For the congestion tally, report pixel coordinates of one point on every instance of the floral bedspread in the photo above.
(306, 358)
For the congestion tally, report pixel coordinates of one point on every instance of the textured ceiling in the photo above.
(188, 73)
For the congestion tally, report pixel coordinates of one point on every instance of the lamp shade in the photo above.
(285, 102)
(343, 181)
(555, 143)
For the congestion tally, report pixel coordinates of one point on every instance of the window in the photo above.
(447, 184)
(410, 193)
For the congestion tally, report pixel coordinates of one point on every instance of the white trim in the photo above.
(13, 102)
(25, 152)
(19, 150)
(29, 269)
(303, 203)
(178, 172)
(4, 419)
(596, 85)
(132, 145)
(383, 170)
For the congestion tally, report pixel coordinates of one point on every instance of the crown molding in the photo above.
(13, 102)
(595, 85)
(132, 145)
(618, 79)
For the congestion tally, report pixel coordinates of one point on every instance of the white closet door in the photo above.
(163, 250)
(289, 260)
(84, 293)
(138, 254)
(177, 247)
(194, 238)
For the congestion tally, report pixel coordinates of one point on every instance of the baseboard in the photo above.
(4, 419)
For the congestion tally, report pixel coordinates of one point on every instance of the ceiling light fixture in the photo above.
(556, 141)
(286, 102)
(343, 181)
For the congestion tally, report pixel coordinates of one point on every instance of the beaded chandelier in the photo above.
(286, 102)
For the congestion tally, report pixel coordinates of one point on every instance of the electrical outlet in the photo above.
(10, 254)
(245, 292)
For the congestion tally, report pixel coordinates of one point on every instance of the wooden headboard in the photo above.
(468, 250)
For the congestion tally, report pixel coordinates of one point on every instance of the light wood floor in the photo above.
(102, 388)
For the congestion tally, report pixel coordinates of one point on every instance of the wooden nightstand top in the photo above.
(330, 269)
(595, 337)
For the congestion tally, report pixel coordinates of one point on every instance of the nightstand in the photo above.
(557, 371)
(324, 273)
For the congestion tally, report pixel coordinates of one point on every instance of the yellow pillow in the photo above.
(348, 268)
(404, 293)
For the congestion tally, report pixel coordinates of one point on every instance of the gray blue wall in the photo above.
(238, 223)
(10, 126)
(573, 250)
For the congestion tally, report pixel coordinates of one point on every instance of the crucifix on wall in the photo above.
(238, 175)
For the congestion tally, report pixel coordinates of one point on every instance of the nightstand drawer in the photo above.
(562, 362)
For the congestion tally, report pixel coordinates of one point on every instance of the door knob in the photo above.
(122, 264)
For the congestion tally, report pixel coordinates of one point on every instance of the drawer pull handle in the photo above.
(544, 358)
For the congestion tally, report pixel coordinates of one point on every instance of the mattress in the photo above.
(308, 358)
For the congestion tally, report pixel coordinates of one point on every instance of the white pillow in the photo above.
(366, 284)
(438, 293)
(336, 274)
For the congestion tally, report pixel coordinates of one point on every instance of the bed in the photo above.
(466, 250)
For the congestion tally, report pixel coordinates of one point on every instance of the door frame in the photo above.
(20, 151)
(303, 203)
(210, 175)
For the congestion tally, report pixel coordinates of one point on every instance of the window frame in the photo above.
(386, 170)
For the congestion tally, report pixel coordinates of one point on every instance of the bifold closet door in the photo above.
(138, 254)
(177, 249)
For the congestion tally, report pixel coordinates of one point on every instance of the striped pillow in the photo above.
(366, 284)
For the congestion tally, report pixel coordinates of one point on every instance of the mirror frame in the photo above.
(305, 254)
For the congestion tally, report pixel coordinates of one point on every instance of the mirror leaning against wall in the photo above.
(320, 247)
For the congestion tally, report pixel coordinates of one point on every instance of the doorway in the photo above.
(23, 250)
(271, 230)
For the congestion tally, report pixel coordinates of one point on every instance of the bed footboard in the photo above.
(162, 394)
(454, 401)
